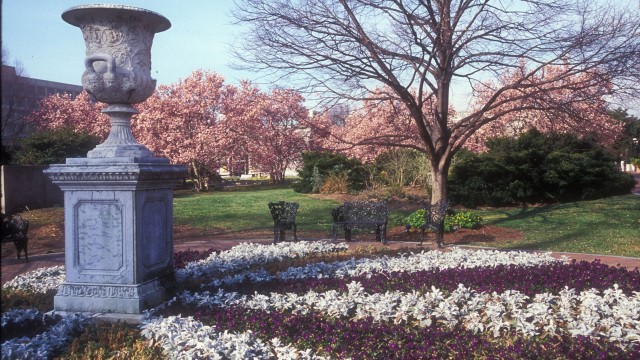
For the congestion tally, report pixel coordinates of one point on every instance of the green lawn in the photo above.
(248, 210)
(605, 226)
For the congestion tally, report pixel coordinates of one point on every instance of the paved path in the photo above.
(12, 267)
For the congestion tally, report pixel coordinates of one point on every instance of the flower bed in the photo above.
(432, 304)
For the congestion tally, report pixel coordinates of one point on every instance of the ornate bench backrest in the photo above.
(434, 214)
(282, 211)
(14, 227)
(361, 212)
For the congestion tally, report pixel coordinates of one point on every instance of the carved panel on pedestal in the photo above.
(155, 238)
(99, 237)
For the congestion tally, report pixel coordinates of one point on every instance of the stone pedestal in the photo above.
(118, 233)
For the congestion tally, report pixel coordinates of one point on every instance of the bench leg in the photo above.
(21, 245)
(282, 234)
(383, 231)
(295, 232)
(347, 234)
(334, 235)
(275, 234)
(440, 240)
(384, 235)
(379, 233)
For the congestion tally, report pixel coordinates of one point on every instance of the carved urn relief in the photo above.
(117, 66)
(118, 40)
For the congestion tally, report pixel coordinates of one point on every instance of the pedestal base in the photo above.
(111, 317)
(110, 298)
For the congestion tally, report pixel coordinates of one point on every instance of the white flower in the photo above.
(186, 338)
(40, 280)
(246, 255)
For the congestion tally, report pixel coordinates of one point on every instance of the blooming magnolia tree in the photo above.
(240, 126)
(183, 122)
(373, 128)
(202, 122)
(61, 111)
(571, 105)
(280, 139)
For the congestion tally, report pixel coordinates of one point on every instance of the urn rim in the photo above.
(75, 15)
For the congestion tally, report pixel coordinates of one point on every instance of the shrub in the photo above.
(335, 184)
(383, 193)
(535, 168)
(416, 218)
(453, 221)
(403, 167)
(54, 146)
(462, 220)
(318, 165)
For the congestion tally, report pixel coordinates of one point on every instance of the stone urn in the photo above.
(117, 66)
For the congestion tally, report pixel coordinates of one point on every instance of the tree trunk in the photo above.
(439, 192)
(200, 181)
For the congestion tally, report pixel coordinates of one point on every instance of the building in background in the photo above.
(20, 96)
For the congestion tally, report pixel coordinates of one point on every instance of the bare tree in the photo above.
(11, 126)
(419, 48)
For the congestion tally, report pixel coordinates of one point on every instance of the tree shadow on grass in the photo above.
(524, 213)
(553, 243)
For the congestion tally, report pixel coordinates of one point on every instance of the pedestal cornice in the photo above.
(120, 170)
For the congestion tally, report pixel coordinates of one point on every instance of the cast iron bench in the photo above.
(284, 218)
(361, 215)
(15, 228)
(434, 215)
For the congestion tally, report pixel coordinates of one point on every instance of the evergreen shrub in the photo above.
(54, 146)
(536, 168)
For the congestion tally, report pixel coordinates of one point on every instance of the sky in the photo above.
(200, 36)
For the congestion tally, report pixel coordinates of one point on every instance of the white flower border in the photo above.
(409, 262)
(246, 255)
(237, 258)
(43, 345)
(612, 314)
